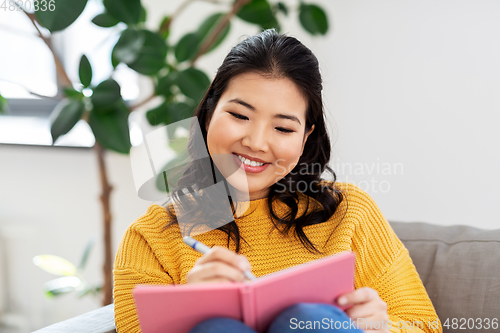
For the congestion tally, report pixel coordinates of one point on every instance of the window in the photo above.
(27, 69)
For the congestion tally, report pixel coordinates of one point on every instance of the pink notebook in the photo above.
(178, 308)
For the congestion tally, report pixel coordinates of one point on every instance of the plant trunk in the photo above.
(108, 257)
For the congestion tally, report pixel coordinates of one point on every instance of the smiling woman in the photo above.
(250, 122)
(264, 111)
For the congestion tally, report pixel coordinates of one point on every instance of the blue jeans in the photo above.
(301, 317)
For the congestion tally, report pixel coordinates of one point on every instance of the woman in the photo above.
(264, 108)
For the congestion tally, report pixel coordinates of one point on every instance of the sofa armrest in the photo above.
(460, 268)
(101, 320)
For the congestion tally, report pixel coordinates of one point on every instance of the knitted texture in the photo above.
(151, 254)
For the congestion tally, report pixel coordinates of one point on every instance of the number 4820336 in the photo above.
(28, 5)
(471, 323)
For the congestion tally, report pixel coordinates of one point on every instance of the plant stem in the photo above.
(105, 187)
(218, 29)
(29, 91)
(183, 6)
(167, 24)
(108, 257)
(61, 73)
(138, 105)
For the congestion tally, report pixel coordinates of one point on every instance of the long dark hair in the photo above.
(274, 55)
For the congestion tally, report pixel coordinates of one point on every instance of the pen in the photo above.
(200, 247)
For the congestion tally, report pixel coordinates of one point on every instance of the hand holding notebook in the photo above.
(178, 308)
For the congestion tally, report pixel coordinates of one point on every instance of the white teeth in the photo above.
(249, 162)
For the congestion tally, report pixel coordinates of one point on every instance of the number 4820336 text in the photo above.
(27, 5)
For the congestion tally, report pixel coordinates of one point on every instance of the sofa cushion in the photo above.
(460, 268)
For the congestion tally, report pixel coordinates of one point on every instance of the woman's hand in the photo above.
(368, 307)
(219, 265)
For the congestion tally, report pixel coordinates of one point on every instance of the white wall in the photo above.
(416, 82)
(411, 90)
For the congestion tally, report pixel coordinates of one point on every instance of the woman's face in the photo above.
(260, 119)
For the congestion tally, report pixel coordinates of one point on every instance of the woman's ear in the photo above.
(305, 138)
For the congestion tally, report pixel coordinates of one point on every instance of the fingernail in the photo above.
(243, 266)
(342, 301)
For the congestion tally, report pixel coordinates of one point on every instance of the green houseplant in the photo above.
(171, 65)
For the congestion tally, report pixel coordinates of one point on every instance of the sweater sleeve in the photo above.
(135, 264)
(384, 264)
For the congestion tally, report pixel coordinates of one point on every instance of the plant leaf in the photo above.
(186, 47)
(159, 115)
(193, 83)
(111, 128)
(105, 20)
(60, 14)
(97, 289)
(3, 105)
(165, 84)
(272, 24)
(108, 118)
(151, 57)
(54, 265)
(313, 19)
(208, 25)
(177, 111)
(84, 290)
(106, 95)
(64, 116)
(180, 111)
(85, 71)
(129, 46)
(258, 12)
(175, 166)
(86, 254)
(114, 61)
(169, 112)
(127, 11)
(72, 93)
(61, 285)
(173, 175)
(163, 31)
(282, 8)
(143, 16)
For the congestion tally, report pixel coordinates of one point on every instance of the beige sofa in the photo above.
(459, 266)
(460, 269)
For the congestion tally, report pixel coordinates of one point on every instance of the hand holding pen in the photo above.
(218, 264)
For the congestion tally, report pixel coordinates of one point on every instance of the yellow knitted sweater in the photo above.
(150, 254)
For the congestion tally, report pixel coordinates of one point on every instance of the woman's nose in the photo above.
(256, 139)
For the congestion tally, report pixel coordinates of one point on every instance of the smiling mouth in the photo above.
(249, 162)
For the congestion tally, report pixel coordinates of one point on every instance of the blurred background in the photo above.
(410, 92)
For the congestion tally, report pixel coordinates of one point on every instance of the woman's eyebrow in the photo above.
(278, 115)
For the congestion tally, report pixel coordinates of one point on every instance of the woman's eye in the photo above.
(238, 116)
(284, 130)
